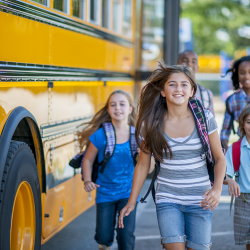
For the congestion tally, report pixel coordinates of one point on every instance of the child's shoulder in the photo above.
(99, 133)
(208, 114)
(236, 94)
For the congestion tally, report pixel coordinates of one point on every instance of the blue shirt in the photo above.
(244, 171)
(116, 180)
(236, 102)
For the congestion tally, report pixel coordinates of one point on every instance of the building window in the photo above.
(94, 11)
(79, 8)
(117, 16)
(127, 16)
(62, 5)
(105, 13)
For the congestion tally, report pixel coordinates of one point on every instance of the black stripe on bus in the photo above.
(35, 13)
(10, 71)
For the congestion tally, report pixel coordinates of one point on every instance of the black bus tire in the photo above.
(20, 177)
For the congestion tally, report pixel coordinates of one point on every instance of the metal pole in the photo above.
(171, 31)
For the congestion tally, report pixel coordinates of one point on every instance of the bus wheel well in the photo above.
(23, 134)
(28, 132)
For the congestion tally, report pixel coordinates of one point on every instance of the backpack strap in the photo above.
(209, 99)
(152, 187)
(231, 114)
(110, 145)
(201, 125)
(199, 86)
(236, 163)
(133, 145)
(236, 155)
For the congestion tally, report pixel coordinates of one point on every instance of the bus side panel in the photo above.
(66, 197)
(40, 43)
(31, 95)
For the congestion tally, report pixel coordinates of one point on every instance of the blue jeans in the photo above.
(188, 224)
(106, 213)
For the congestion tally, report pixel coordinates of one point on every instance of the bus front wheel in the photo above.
(20, 200)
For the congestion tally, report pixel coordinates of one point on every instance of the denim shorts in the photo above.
(188, 224)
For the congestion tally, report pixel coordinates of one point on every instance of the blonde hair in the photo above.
(241, 119)
(103, 116)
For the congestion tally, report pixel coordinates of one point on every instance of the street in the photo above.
(79, 234)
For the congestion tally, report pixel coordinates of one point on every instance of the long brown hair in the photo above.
(241, 119)
(153, 107)
(101, 117)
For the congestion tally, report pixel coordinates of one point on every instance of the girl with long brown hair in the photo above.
(113, 185)
(184, 197)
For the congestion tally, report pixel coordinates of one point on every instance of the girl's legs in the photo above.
(174, 246)
(172, 225)
(105, 223)
(125, 236)
(198, 227)
(180, 223)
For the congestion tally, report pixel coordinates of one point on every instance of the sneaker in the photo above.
(102, 247)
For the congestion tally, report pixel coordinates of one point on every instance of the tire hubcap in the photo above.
(23, 223)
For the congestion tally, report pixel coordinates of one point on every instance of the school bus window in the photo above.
(79, 8)
(127, 15)
(105, 13)
(117, 16)
(94, 9)
(44, 2)
(61, 5)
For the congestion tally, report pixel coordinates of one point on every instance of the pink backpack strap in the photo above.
(236, 155)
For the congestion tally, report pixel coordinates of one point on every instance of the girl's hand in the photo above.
(125, 212)
(233, 188)
(211, 199)
(90, 186)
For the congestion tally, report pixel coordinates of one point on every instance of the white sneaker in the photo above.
(102, 247)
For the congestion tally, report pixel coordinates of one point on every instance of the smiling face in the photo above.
(247, 126)
(244, 74)
(178, 89)
(119, 108)
(189, 59)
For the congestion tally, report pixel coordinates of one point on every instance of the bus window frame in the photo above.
(66, 5)
(97, 13)
(109, 14)
(82, 11)
(120, 15)
(123, 21)
(41, 4)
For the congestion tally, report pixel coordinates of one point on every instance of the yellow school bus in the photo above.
(59, 61)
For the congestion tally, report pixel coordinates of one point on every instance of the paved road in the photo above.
(78, 235)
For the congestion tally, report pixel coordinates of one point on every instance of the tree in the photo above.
(218, 25)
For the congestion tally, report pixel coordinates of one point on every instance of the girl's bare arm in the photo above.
(87, 167)
(140, 174)
(212, 196)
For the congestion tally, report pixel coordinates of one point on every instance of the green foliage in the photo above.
(212, 16)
